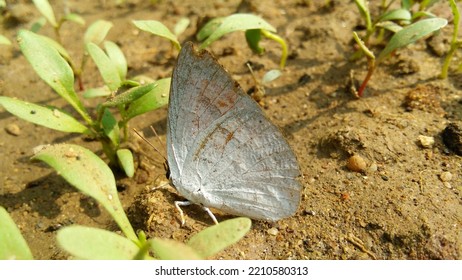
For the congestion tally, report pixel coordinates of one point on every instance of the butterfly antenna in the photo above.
(158, 138)
(259, 91)
(252, 73)
(149, 143)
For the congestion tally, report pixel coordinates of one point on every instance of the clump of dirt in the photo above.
(406, 203)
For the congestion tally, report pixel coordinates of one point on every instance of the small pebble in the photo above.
(356, 163)
(272, 231)
(13, 129)
(373, 167)
(426, 141)
(446, 176)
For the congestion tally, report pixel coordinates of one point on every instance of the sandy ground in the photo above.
(405, 204)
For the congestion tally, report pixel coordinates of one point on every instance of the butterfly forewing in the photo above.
(198, 97)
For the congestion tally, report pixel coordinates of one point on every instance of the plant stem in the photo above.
(454, 42)
(144, 249)
(370, 71)
(283, 44)
(109, 151)
(447, 61)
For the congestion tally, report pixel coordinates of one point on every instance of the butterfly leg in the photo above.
(182, 203)
(187, 203)
(210, 214)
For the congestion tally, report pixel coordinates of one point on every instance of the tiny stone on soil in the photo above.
(356, 163)
(13, 129)
(373, 167)
(426, 141)
(272, 231)
(446, 176)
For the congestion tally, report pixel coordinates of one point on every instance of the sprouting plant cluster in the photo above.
(397, 27)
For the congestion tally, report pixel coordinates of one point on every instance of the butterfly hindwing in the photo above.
(243, 166)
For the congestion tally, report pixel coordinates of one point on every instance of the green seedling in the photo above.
(46, 10)
(268, 77)
(90, 175)
(128, 97)
(255, 27)
(159, 29)
(77, 166)
(391, 20)
(12, 244)
(402, 38)
(455, 42)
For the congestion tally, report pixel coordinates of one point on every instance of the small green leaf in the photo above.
(159, 29)
(125, 157)
(420, 14)
(364, 11)
(117, 57)
(398, 14)
(237, 22)
(90, 175)
(74, 18)
(271, 76)
(152, 100)
(167, 249)
(97, 92)
(412, 33)
(46, 10)
(390, 26)
(181, 26)
(131, 83)
(50, 117)
(211, 240)
(51, 67)
(406, 4)
(62, 51)
(253, 38)
(12, 244)
(425, 4)
(106, 67)
(95, 244)
(130, 95)
(97, 32)
(38, 24)
(110, 127)
(4, 40)
(209, 28)
(48, 63)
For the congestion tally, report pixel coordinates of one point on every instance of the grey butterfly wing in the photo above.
(198, 96)
(227, 155)
(243, 166)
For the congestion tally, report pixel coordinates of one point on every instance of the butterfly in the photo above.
(222, 151)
